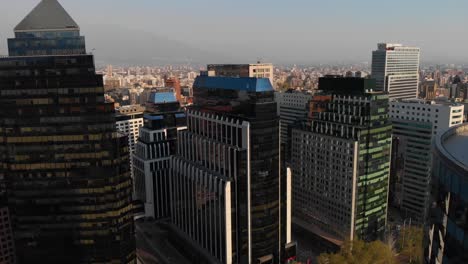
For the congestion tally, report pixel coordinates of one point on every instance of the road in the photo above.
(153, 246)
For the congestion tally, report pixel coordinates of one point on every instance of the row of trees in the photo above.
(407, 249)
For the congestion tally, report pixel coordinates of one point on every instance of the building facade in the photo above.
(129, 119)
(396, 70)
(292, 107)
(341, 162)
(256, 70)
(415, 124)
(151, 160)
(448, 232)
(429, 90)
(66, 168)
(7, 248)
(229, 192)
(7, 244)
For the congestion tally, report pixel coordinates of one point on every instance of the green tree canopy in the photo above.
(360, 252)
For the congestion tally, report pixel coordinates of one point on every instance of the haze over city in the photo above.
(282, 32)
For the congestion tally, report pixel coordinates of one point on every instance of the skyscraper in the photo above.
(341, 161)
(415, 124)
(151, 160)
(66, 168)
(447, 234)
(396, 70)
(229, 191)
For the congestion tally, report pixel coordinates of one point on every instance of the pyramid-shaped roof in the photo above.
(47, 15)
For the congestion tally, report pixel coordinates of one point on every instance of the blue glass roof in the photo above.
(159, 98)
(152, 117)
(230, 83)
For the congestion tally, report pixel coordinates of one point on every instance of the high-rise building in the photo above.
(415, 124)
(341, 162)
(447, 235)
(396, 70)
(256, 70)
(292, 107)
(229, 191)
(155, 146)
(66, 168)
(129, 119)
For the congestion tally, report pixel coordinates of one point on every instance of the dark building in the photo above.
(341, 162)
(7, 247)
(229, 191)
(448, 229)
(157, 142)
(65, 166)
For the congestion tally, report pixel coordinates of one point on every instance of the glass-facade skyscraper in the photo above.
(341, 162)
(229, 191)
(66, 168)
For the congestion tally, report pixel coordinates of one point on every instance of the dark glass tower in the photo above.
(229, 190)
(66, 168)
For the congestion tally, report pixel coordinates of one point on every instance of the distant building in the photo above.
(173, 82)
(429, 90)
(109, 72)
(447, 234)
(341, 162)
(257, 70)
(415, 124)
(396, 70)
(292, 107)
(151, 160)
(112, 83)
(69, 186)
(230, 195)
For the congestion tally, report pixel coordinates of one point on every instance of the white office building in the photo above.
(129, 119)
(415, 124)
(396, 70)
(292, 106)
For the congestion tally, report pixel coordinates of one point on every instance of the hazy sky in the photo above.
(302, 31)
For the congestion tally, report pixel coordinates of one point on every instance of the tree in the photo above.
(410, 244)
(360, 252)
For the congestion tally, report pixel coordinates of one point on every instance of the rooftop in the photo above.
(437, 102)
(233, 83)
(162, 97)
(338, 84)
(48, 15)
(455, 144)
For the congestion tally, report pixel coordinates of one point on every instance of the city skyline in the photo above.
(280, 32)
(196, 132)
